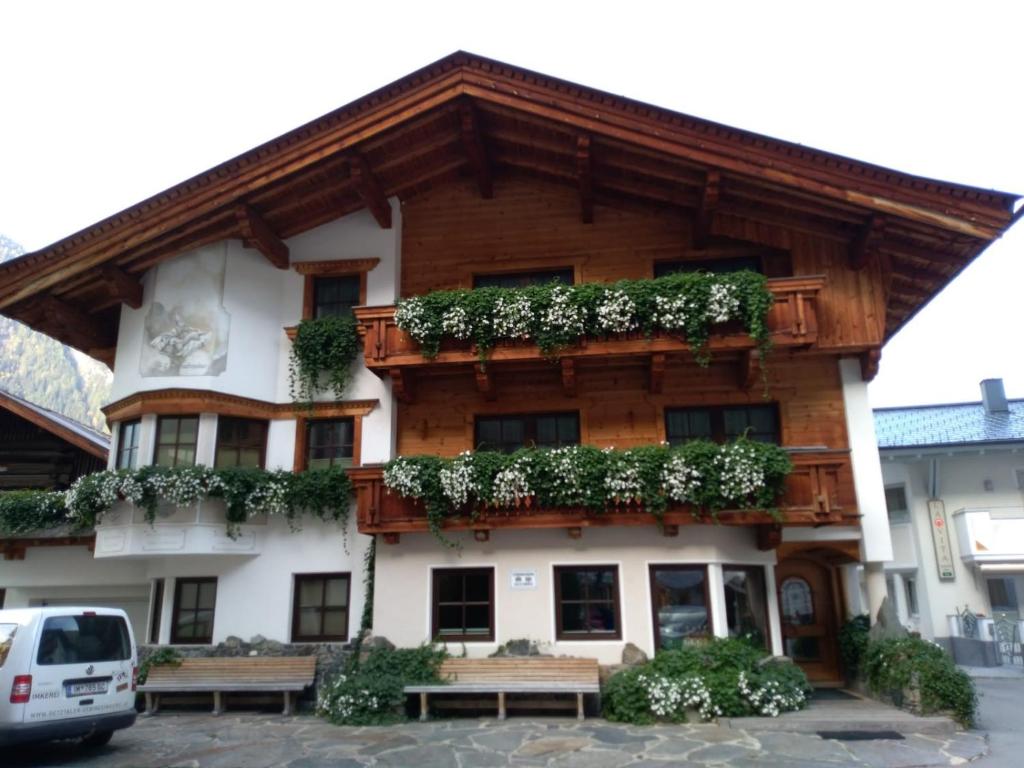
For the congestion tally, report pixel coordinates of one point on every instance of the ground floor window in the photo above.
(194, 601)
(680, 597)
(320, 612)
(746, 603)
(463, 604)
(910, 585)
(587, 603)
(156, 611)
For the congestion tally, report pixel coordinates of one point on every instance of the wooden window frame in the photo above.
(703, 262)
(534, 415)
(764, 580)
(302, 425)
(137, 424)
(310, 270)
(157, 610)
(237, 447)
(435, 606)
(560, 634)
(703, 567)
(297, 579)
(178, 582)
(717, 413)
(570, 269)
(177, 444)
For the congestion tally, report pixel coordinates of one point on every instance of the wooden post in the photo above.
(579, 705)
(218, 702)
(287, 703)
(423, 707)
(151, 703)
(501, 705)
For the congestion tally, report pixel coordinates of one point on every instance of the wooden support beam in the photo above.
(769, 537)
(669, 529)
(401, 384)
(391, 537)
(484, 381)
(74, 326)
(747, 369)
(473, 142)
(585, 178)
(369, 190)
(568, 376)
(656, 380)
(121, 286)
(575, 532)
(256, 234)
(481, 535)
(709, 197)
(869, 363)
(866, 243)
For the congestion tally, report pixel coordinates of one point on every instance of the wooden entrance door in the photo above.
(807, 612)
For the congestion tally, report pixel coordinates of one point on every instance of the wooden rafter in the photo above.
(585, 178)
(865, 244)
(709, 197)
(122, 287)
(369, 189)
(568, 366)
(747, 369)
(473, 143)
(257, 234)
(81, 329)
(656, 377)
(484, 381)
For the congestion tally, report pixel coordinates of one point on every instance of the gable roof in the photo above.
(953, 424)
(78, 434)
(466, 114)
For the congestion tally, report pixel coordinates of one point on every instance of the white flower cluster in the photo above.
(672, 313)
(681, 480)
(669, 698)
(740, 472)
(511, 485)
(411, 316)
(513, 317)
(770, 698)
(458, 479)
(616, 313)
(723, 303)
(455, 323)
(269, 499)
(342, 705)
(622, 482)
(403, 477)
(184, 487)
(563, 315)
(565, 466)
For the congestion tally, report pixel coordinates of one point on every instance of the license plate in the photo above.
(86, 689)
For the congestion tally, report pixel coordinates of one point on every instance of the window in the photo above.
(910, 586)
(128, 444)
(1002, 594)
(896, 504)
(176, 441)
(156, 616)
(722, 423)
(335, 296)
(719, 266)
(510, 433)
(587, 603)
(680, 601)
(320, 612)
(329, 443)
(463, 604)
(746, 607)
(523, 279)
(194, 601)
(83, 639)
(240, 442)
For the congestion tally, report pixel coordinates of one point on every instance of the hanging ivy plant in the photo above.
(322, 355)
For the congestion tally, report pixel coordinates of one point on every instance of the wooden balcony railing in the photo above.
(819, 491)
(793, 322)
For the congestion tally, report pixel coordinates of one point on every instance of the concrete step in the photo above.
(854, 715)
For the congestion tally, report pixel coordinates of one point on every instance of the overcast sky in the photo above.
(103, 104)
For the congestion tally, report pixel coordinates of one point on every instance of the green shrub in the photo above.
(370, 692)
(323, 347)
(892, 666)
(853, 642)
(722, 678)
(161, 657)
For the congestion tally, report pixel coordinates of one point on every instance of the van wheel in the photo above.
(97, 739)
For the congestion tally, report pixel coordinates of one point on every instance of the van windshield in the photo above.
(6, 640)
(80, 639)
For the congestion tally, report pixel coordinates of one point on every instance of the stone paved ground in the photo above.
(266, 741)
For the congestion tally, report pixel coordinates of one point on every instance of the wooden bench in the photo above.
(513, 675)
(287, 674)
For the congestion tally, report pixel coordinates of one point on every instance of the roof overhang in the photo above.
(96, 446)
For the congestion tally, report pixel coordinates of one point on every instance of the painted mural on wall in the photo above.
(186, 331)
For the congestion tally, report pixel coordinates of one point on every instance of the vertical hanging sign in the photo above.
(940, 538)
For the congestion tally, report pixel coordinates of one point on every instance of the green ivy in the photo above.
(23, 512)
(853, 643)
(556, 316)
(161, 657)
(323, 347)
(369, 569)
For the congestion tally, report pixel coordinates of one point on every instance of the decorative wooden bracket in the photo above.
(484, 381)
(121, 286)
(709, 197)
(657, 373)
(669, 529)
(747, 369)
(392, 537)
(481, 535)
(401, 384)
(369, 190)
(256, 234)
(585, 176)
(769, 536)
(869, 363)
(473, 143)
(568, 376)
(867, 242)
(575, 532)
(14, 551)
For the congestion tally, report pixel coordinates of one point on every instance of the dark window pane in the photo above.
(463, 600)
(588, 601)
(522, 279)
(478, 587)
(512, 432)
(722, 423)
(450, 618)
(449, 588)
(478, 619)
(572, 588)
(719, 266)
(745, 603)
(330, 442)
(335, 296)
(680, 604)
(574, 617)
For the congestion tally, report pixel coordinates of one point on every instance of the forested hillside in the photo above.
(46, 372)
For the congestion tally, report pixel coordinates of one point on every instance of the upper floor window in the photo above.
(240, 442)
(176, 441)
(896, 504)
(722, 423)
(336, 296)
(523, 279)
(512, 432)
(330, 443)
(720, 266)
(128, 444)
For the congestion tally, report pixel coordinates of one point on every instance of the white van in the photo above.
(65, 673)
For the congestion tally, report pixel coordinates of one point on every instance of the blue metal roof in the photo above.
(948, 425)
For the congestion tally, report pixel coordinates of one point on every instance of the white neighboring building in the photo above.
(957, 468)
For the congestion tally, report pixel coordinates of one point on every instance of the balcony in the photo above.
(819, 491)
(990, 536)
(388, 351)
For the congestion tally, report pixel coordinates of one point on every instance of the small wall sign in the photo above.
(523, 579)
(940, 538)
